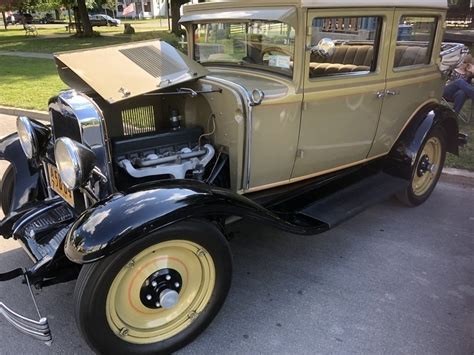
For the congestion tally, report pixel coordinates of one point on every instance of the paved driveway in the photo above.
(393, 280)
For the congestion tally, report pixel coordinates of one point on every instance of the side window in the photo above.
(344, 45)
(415, 41)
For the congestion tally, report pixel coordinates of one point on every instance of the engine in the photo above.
(175, 153)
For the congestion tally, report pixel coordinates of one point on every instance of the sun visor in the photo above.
(123, 71)
(285, 14)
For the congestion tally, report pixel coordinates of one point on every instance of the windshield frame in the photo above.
(193, 27)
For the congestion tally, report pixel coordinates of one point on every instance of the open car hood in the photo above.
(123, 71)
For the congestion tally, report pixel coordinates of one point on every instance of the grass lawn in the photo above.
(466, 154)
(28, 83)
(53, 39)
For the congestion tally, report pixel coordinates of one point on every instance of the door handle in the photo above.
(380, 94)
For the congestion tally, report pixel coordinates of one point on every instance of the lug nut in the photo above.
(157, 304)
(148, 297)
(154, 283)
(168, 277)
(176, 284)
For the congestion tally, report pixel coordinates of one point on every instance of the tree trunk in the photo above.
(4, 20)
(56, 14)
(77, 21)
(84, 18)
(175, 15)
(69, 17)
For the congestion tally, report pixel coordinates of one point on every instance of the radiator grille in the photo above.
(138, 120)
(151, 60)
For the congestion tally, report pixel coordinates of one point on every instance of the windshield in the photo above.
(263, 44)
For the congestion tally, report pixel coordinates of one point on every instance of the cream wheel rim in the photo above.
(133, 321)
(428, 166)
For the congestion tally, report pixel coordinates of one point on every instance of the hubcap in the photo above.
(428, 166)
(161, 289)
(159, 293)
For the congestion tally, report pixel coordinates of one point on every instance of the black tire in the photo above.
(95, 280)
(6, 189)
(409, 196)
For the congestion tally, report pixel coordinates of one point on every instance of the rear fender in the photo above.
(123, 218)
(402, 158)
(27, 177)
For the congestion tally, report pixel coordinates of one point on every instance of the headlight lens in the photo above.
(74, 160)
(28, 139)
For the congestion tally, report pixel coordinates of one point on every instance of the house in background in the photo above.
(460, 14)
(144, 9)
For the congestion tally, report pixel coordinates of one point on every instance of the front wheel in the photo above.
(156, 295)
(428, 167)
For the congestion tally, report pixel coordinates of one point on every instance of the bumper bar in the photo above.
(37, 329)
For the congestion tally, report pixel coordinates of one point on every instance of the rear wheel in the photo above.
(6, 189)
(156, 295)
(428, 168)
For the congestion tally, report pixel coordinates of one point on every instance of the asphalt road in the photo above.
(393, 280)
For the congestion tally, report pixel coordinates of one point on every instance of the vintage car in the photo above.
(297, 114)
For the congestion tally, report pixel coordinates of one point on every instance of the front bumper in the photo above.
(38, 329)
(41, 229)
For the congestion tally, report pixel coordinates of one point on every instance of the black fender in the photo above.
(402, 158)
(27, 176)
(121, 219)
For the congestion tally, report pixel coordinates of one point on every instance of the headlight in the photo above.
(33, 136)
(27, 136)
(75, 162)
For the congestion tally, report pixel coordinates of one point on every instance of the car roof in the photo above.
(332, 3)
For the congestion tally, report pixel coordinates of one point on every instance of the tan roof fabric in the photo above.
(443, 4)
(123, 71)
(281, 14)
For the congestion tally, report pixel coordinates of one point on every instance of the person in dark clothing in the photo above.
(460, 89)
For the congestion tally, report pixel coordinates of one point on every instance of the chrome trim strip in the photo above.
(92, 127)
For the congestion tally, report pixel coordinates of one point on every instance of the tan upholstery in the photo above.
(347, 58)
(410, 55)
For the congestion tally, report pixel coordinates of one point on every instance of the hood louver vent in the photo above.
(150, 59)
(124, 71)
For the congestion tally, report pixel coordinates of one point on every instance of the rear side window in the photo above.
(415, 41)
(344, 45)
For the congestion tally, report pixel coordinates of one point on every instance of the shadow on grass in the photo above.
(18, 42)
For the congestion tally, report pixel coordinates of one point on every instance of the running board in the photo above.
(351, 200)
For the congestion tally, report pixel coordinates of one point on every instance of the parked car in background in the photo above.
(17, 18)
(48, 18)
(297, 114)
(103, 20)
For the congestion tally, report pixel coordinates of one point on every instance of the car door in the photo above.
(413, 77)
(342, 88)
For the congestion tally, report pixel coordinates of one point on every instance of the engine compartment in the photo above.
(176, 154)
(194, 132)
